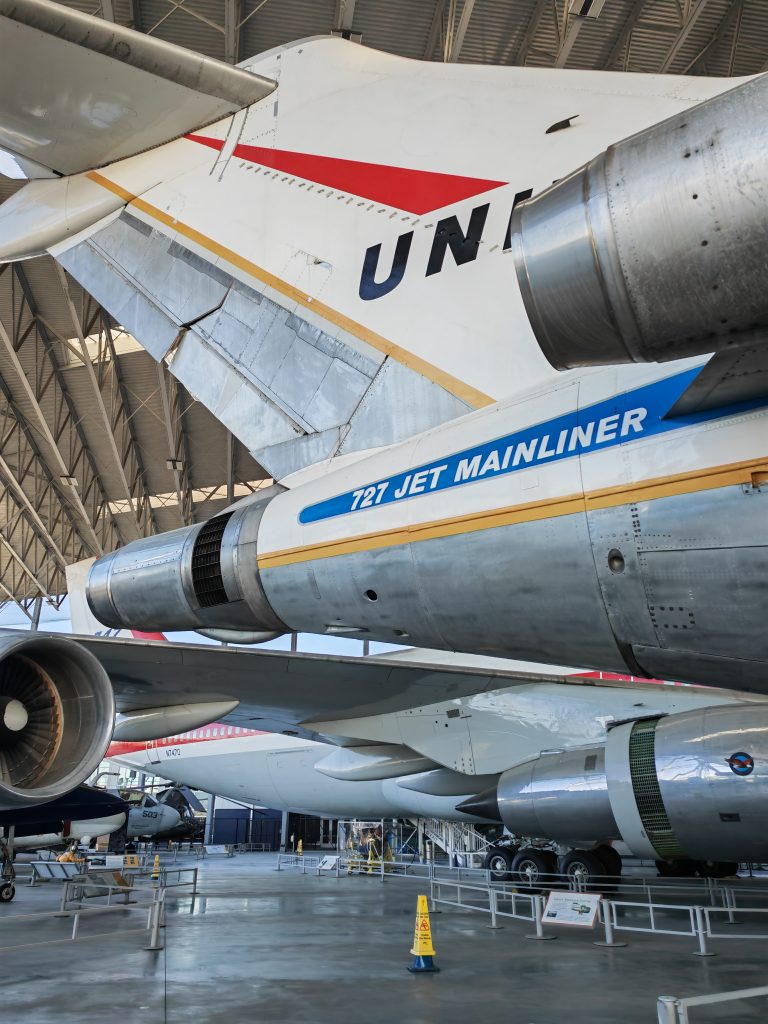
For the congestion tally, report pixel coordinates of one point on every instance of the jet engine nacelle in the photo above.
(655, 249)
(56, 717)
(203, 577)
(689, 785)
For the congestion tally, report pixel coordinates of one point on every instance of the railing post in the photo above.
(701, 933)
(154, 935)
(493, 895)
(666, 1009)
(75, 925)
(606, 909)
(537, 903)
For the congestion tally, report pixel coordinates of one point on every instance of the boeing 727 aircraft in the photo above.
(503, 416)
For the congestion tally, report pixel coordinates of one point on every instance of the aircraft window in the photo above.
(207, 732)
(229, 730)
(215, 732)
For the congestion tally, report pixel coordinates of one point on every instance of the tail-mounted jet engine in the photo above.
(56, 717)
(655, 249)
(693, 785)
(202, 577)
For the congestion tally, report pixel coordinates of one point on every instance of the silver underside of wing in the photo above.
(77, 92)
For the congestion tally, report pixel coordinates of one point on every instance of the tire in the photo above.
(583, 866)
(677, 868)
(498, 861)
(717, 868)
(611, 860)
(534, 868)
(7, 892)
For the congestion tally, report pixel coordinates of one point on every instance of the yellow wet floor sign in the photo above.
(423, 951)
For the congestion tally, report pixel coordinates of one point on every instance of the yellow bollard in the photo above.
(300, 848)
(156, 868)
(423, 951)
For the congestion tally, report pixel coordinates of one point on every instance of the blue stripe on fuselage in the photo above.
(627, 417)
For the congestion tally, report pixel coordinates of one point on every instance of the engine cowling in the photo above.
(203, 577)
(689, 785)
(57, 712)
(654, 250)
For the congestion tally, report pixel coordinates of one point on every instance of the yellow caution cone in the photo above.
(300, 848)
(156, 868)
(423, 951)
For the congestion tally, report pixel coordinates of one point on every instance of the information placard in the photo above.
(574, 908)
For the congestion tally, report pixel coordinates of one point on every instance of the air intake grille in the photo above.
(645, 783)
(206, 563)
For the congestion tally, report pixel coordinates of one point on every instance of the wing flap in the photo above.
(105, 91)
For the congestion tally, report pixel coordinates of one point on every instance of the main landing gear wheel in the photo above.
(677, 868)
(611, 860)
(7, 892)
(534, 868)
(717, 868)
(499, 861)
(583, 867)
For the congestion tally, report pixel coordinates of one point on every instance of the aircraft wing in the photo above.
(280, 690)
(77, 92)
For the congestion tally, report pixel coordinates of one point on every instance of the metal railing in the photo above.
(671, 1010)
(155, 921)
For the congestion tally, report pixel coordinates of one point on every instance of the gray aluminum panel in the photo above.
(271, 377)
(77, 92)
(713, 811)
(528, 588)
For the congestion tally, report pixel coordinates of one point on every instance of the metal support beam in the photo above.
(139, 473)
(38, 607)
(571, 31)
(233, 12)
(457, 42)
(435, 30)
(112, 425)
(731, 16)
(530, 32)
(449, 24)
(231, 443)
(343, 15)
(21, 499)
(624, 37)
(63, 467)
(30, 471)
(689, 24)
(178, 458)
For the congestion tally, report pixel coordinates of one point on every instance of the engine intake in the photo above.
(56, 717)
(654, 250)
(202, 577)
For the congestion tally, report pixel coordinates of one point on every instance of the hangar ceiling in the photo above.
(99, 445)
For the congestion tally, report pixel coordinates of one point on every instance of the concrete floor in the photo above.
(262, 946)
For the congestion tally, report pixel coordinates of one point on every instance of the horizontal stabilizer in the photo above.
(77, 92)
(731, 377)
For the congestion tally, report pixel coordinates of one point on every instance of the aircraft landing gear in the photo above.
(532, 867)
(498, 861)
